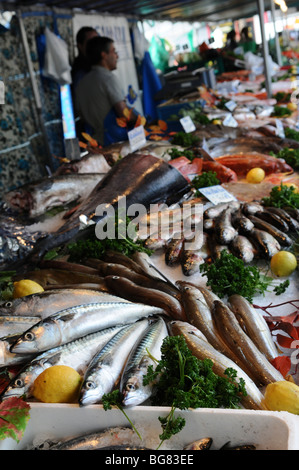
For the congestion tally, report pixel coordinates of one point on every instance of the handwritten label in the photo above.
(230, 121)
(231, 105)
(188, 124)
(137, 138)
(217, 194)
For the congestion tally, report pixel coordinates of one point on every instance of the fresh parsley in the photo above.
(282, 196)
(205, 179)
(176, 153)
(185, 139)
(291, 157)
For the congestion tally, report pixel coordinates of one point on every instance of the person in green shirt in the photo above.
(247, 42)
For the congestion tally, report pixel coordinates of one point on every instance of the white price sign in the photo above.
(188, 124)
(137, 138)
(217, 194)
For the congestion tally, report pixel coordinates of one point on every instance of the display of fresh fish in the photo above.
(264, 242)
(223, 228)
(254, 325)
(48, 302)
(75, 322)
(38, 197)
(242, 223)
(104, 371)
(202, 349)
(242, 248)
(76, 354)
(192, 258)
(282, 238)
(243, 346)
(292, 223)
(141, 356)
(214, 211)
(115, 436)
(135, 293)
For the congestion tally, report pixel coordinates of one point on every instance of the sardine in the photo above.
(251, 208)
(274, 219)
(243, 346)
(97, 440)
(149, 347)
(104, 370)
(264, 242)
(214, 211)
(242, 223)
(192, 258)
(7, 358)
(173, 251)
(292, 223)
(243, 249)
(131, 291)
(223, 229)
(254, 325)
(75, 322)
(201, 444)
(281, 237)
(76, 354)
(13, 325)
(202, 349)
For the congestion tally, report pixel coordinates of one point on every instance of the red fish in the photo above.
(224, 174)
(241, 164)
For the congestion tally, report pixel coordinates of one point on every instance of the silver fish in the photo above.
(7, 358)
(274, 219)
(76, 354)
(103, 372)
(242, 223)
(116, 436)
(215, 211)
(292, 223)
(202, 349)
(78, 321)
(193, 257)
(254, 324)
(52, 301)
(243, 346)
(264, 242)
(12, 325)
(223, 229)
(242, 248)
(281, 237)
(131, 383)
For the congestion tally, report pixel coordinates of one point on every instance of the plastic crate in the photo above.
(171, 113)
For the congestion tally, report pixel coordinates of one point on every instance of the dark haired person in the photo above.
(99, 96)
(81, 65)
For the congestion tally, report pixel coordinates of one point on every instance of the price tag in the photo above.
(188, 124)
(137, 138)
(231, 105)
(230, 121)
(279, 129)
(217, 194)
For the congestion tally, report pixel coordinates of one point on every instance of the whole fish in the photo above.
(223, 229)
(119, 258)
(76, 354)
(13, 325)
(243, 346)
(214, 211)
(254, 324)
(53, 277)
(149, 347)
(53, 191)
(264, 242)
(242, 223)
(115, 436)
(281, 237)
(7, 358)
(201, 444)
(173, 251)
(75, 322)
(242, 248)
(104, 370)
(135, 293)
(46, 303)
(193, 257)
(202, 349)
(145, 262)
(292, 223)
(199, 315)
(274, 219)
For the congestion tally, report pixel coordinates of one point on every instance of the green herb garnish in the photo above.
(6, 285)
(183, 381)
(291, 157)
(184, 139)
(281, 111)
(114, 399)
(229, 275)
(176, 153)
(291, 134)
(282, 196)
(282, 287)
(207, 178)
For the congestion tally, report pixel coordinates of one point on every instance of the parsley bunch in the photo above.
(207, 178)
(282, 196)
(229, 275)
(291, 157)
(183, 381)
(184, 139)
(176, 153)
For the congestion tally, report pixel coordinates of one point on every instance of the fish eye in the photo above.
(29, 336)
(130, 387)
(19, 382)
(89, 385)
(8, 304)
(115, 277)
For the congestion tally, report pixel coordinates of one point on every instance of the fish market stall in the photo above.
(141, 311)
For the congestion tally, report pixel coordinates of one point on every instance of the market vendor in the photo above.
(99, 96)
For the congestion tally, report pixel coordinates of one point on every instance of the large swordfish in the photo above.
(140, 179)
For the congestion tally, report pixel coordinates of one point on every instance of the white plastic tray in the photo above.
(266, 430)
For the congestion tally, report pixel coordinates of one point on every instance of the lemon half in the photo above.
(57, 384)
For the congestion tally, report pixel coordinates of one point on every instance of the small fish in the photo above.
(223, 229)
(264, 242)
(104, 370)
(173, 251)
(78, 321)
(215, 211)
(202, 349)
(292, 223)
(13, 324)
(114, 436)
(202, 444)
(251, 208)
(274, 219)
(131, 384)
(242, 248)
(193, 257)
(254, 324)
(281, 237)
(76, 354)
(242, 223)
(243, 346)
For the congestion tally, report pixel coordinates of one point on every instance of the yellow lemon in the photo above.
(282, 396)
(255, 175)
(283, 263)
(217, 121)
(26, 287)
(292, 106)
(57, 384)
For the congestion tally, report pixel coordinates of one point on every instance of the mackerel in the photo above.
(11, 324)
(202, 349)
(76, 354)
(149, 347)
(78, 321)
(104, 371)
